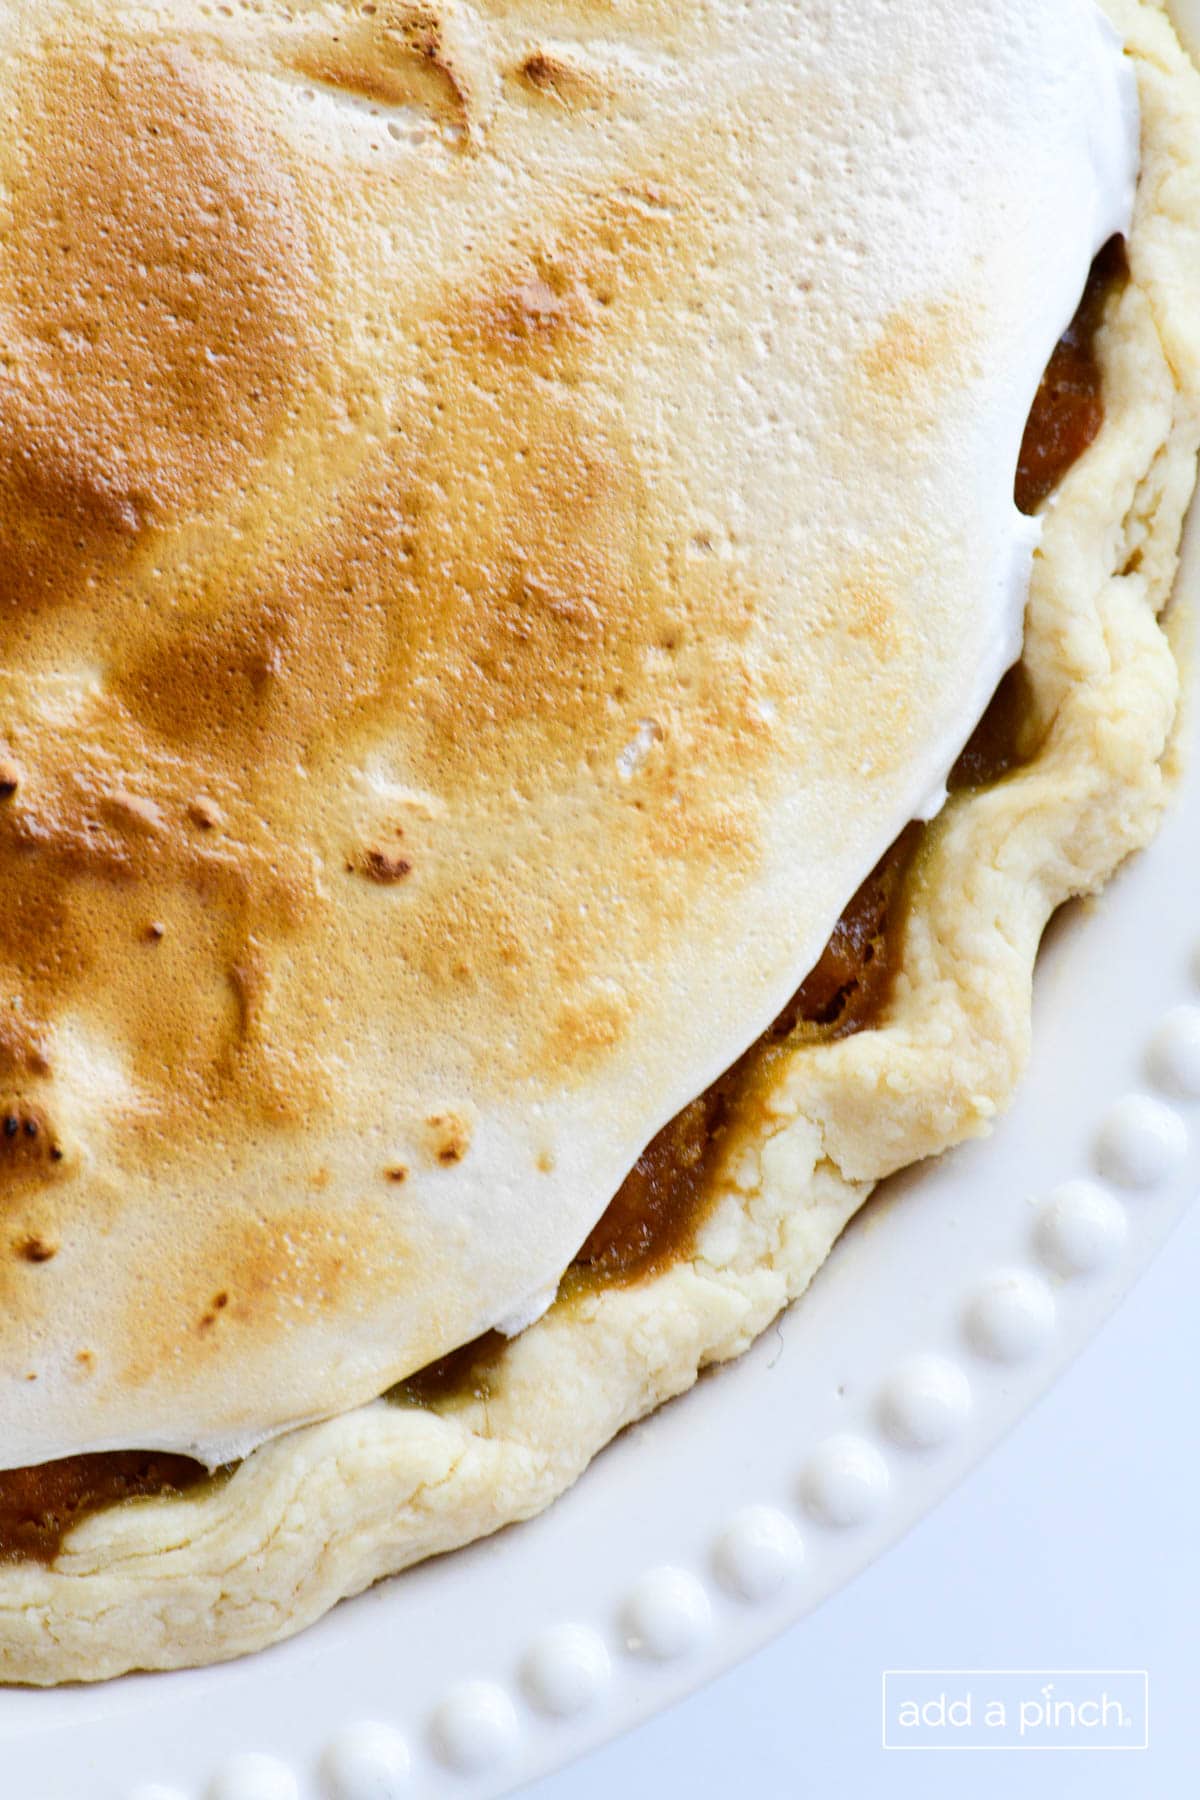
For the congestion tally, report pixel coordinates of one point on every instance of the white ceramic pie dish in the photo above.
(950, 1304)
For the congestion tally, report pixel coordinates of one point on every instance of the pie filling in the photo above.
(654, 1215)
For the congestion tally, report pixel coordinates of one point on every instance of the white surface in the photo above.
(1075, 1545)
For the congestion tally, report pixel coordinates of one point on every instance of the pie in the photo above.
(538, 739)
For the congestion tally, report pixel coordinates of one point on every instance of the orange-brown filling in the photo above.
(654, 1214)
(39, 1506)
(462, 1374)
(1068, 409)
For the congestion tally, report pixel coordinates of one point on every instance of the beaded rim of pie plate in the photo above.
(1079, 1229)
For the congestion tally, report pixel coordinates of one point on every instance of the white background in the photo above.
(1074, 1545)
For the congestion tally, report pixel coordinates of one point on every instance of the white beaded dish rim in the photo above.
(947, 1308)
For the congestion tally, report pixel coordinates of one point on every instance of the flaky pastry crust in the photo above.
(326, 1510)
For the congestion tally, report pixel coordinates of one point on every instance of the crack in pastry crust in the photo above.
(383, 1486)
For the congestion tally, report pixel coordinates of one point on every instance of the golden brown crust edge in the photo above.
(327, 1510)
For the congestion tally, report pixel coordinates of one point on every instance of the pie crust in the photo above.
(324, 1511)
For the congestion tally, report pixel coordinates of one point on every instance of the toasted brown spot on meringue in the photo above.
(288, 1262)
(400, 52)
(380, 862)
(154, 324)
(203, 813)
(553, 77)
(920, 354)
(449, 1137)
(37, 1250)
(27, 1140)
